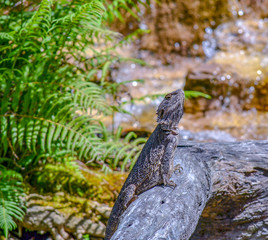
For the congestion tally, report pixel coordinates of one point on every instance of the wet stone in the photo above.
(227, 89)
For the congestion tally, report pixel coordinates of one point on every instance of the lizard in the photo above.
(154, 165)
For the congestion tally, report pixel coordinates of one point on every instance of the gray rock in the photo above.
(233, 174)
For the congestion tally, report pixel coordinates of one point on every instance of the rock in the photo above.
(65, 218)
(242, 126)
(238, 207)
(46, 219)
(175, 28)
(227, 88)
(236, 76)
(206, 136)
(81, 226)
(233, 174)
(186, 27)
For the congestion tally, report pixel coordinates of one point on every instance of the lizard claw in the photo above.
(170, 183)
(178, 168)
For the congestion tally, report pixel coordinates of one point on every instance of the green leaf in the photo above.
(4, 128)
(195, 94)
(11, 206)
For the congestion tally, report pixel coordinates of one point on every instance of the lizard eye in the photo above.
(168, 96)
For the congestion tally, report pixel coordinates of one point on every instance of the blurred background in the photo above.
(215, 47)
(80, 84)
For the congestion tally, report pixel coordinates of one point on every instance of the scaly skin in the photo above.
(155, 162)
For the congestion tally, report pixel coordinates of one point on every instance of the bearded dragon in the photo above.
(154, 165)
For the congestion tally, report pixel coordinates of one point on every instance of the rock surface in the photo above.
(186, 27)
(238, 206)
(222, 193)
(227, 87)
(234, 174)
(71, 218)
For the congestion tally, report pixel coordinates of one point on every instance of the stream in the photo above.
(234, 73)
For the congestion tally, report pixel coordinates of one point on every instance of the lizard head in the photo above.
(170, 110)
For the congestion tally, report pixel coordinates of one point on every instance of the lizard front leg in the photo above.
(167, 165)
(128, 195)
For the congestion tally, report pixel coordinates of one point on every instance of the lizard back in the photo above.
(154, 165)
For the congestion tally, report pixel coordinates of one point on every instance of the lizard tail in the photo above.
(113, 221)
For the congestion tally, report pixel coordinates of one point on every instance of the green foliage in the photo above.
(115, 7)
(195, 94)
(75, 178)
(54, 90)
(11, 201)
(86, 237)
(60, 177)
(52, 95)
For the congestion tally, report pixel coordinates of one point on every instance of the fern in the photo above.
(89, 15)
(6, 36)
(55, 90)
(114, 9)
(40, 22)
(11, 203)
(50, 104)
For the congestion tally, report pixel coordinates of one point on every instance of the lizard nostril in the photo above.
(163, 201)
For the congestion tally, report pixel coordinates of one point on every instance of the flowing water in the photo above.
(240, 50)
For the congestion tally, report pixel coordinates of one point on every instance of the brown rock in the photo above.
(226, 87)
(66, 217)
(178, 26)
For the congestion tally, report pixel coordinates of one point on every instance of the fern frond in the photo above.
(89, 96)
(40, 22)
(11, 204)
(6, 36)
(4, 130)
(9, 175)
(118, 152)
(34, 131)
(89, 16)
(8, 211)
(42, 96)
(114, 9)
(84, 96)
